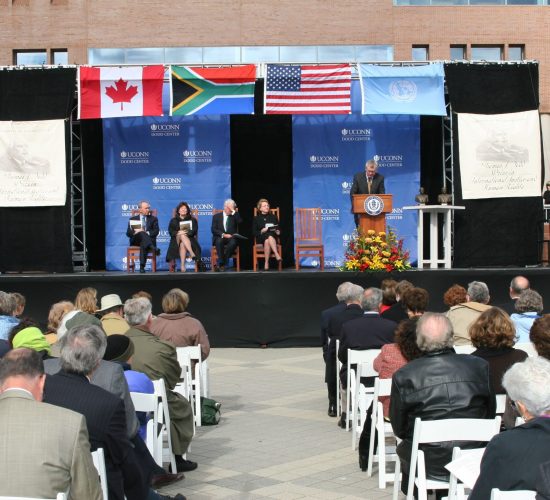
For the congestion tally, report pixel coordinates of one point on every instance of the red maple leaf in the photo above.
(122, 93)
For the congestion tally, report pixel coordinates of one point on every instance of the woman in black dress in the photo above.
(183, 241)
(266, 231)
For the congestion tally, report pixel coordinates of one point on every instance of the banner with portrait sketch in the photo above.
(32, 163)
(500, 155)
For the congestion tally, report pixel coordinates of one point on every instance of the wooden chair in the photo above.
(132, 252)
(258, 248)
(214, 253)
(309, 235)
(172, 263)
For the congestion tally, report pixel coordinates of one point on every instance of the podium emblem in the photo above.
(374, 205)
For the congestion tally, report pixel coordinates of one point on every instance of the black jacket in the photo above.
(151, 227)
(217, 228)
(437, 386)
(512, 459)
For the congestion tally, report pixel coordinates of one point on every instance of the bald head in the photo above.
(23, 369)
(434, 332)
(518, 285)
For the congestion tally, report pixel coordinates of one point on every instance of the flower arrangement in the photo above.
(376, 252)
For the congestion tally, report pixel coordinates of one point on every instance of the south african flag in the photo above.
(213, 91)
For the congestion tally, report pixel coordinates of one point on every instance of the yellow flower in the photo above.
(381, 233)
(369, 240)
(371, 231)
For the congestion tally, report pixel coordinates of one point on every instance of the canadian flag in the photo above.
(109, 92)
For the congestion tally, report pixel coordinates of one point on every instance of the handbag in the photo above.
(210, 411)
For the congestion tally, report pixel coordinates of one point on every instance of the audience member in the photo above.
(20, 303)
(517, 285)
(157, 359)
(439, 385)
(388, 294)
(57, 311)
(7, 318)
(353, 295)
(326, 315)
(144, 294)
(370, 331)
(391, 358)
(493, 336)
(415, 301)
(83, 313)
(224, 225)
(463, 315)
(529, 307)
(454, 295)
(397, 312)
(46, 448)
(177, 326)
(539, 335)
(112, 315)
(128, 473)
(511, 460)
(27, 334)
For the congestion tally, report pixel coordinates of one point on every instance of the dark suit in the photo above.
(370, 331)
(225, 247)
(145, 240)
(106, 423)
(396, 312)
(352, 311)
(361, 186)
(512, 458)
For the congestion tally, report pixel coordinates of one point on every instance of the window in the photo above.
(516, 52)
(183, 55)
(30, 57)
(458, 52)
(420, 53)
(60, 56)
(297, 53)
(486, 53)
(372, 53)
(257, 54)
(220, 55)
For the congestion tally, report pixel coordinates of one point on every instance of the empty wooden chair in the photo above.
(309, 235)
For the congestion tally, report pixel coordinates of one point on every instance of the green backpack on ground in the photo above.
(210, 411)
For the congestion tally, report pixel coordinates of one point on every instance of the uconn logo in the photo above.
(389, 161)
(330, 214)
(346, 187)
(323, 161)
(356, 134)
(126, 209)
(165, 130)
(197, 156)
(396, 214)
(202, 208)
(163, 236)
(166, 183)
(134, 157)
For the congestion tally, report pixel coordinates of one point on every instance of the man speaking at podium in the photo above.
(367, 182)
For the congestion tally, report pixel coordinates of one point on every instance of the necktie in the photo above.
(369, 182)
(143, 222)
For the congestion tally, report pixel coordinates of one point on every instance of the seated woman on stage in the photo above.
(183, 229)
(266, 230)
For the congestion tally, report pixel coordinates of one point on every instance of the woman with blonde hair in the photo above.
(57, 311)
(265, 228)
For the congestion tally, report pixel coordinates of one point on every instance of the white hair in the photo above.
(229, 203)
(371, 299)
(137, 311)
(434, 332)
(529, 382)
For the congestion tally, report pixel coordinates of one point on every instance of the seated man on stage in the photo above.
(367, 182)
(143, 230)
(224, 226)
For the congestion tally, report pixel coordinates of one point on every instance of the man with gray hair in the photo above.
(517, 285)
(439, 385)
(369, 331)
(463, 315)
(367, 182)
(224, 226)
(352, 299)
(511, 460)
(7, 318)
(158, 359)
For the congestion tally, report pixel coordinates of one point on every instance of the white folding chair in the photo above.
(338, 368)
(60, 496)
(527, 347)
(496, 494)
(383, 430)
(354, 358)
(98, 456)
(164, 418)
(456, 488)
(186, 357)
(363, 397)
(437, 431)
(464, 349)
(150, 403)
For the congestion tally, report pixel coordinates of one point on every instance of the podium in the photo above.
(372, 210)
(434, 211)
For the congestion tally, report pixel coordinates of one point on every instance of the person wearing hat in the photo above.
(27, 334)
(112, 315)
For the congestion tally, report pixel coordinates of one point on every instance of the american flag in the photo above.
(302, 90)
